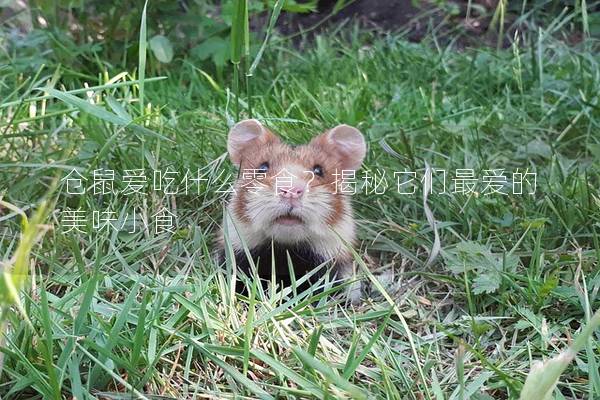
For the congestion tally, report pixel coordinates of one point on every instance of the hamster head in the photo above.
(293, 194)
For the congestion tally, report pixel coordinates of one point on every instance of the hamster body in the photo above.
(289, 200)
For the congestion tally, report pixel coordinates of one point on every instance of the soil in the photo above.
(378, 14)
(415, 18)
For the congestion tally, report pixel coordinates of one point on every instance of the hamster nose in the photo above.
(295, 192)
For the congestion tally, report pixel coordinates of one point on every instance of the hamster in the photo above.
(289, 200)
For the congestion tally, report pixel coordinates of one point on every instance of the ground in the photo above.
(108, 313)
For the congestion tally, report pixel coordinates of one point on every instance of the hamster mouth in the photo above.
(289, 220)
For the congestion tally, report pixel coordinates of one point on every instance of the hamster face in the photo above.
(292, 194)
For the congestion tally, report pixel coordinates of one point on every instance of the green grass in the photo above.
(114, 314)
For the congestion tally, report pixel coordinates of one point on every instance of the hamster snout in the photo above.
(287, 194)
(292, 194)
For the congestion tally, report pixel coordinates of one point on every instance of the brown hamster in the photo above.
(291, 197)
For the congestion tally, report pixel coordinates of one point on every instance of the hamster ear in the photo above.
(347, 141)
(245, 134)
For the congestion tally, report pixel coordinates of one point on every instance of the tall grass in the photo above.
(243, 66)
(240, 39)
(15, 269)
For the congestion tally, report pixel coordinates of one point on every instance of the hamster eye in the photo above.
(263, 168)
(318, 170)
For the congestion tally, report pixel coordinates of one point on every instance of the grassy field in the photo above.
(115, 312)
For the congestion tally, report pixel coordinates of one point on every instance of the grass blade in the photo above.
(101, 113)
(142, 52)
(329, 373)
(543, 376)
